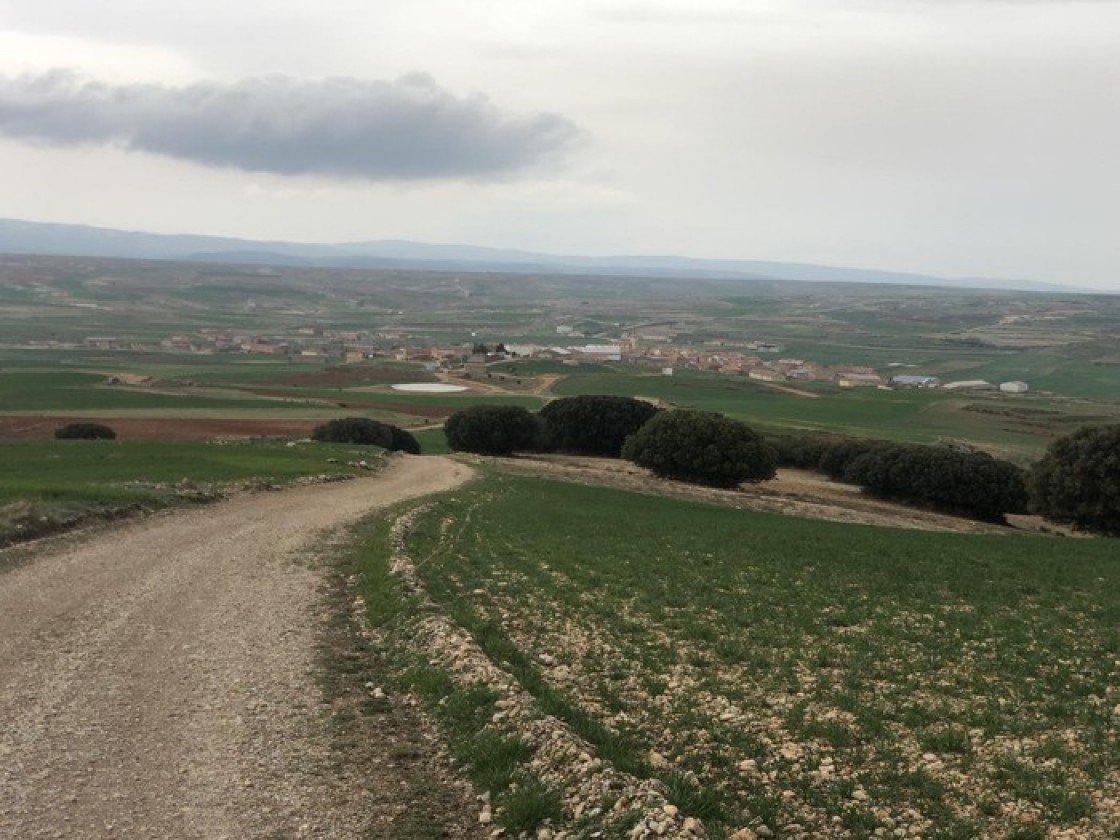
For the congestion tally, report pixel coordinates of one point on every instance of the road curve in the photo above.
(157, 680)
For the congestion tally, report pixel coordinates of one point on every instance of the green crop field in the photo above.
(382, 395)
(432, 441)
(47, 484)
(1021, 426)
(74, 391)
(58, 316)
(822, 679)
(220, 386)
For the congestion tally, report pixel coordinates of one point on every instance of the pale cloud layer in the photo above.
(963, 138)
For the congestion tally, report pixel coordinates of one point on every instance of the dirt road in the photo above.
(158, 680)
(794, 493)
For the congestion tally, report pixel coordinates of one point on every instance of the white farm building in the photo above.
(914, 380)
(969, 385)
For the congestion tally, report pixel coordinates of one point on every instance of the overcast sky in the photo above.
(947, 137)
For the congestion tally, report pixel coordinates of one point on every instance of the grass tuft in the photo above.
(529, 806)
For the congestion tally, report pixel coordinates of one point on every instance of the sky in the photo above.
(958, 138)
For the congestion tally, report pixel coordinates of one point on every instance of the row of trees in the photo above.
(697, 446)
(971, 483)
(1077, 482)
(584, 425)
(592, 424)
(359, 430)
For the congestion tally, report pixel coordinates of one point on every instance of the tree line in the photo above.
(1076, 483)
(695, 446)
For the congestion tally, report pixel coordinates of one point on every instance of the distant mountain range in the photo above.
(21, 237)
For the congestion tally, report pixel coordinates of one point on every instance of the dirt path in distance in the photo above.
(158, 680)
(793, 492)
(785, 389)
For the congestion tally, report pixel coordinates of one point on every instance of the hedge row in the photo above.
(954, 480)
(695, 446)
(583, 425)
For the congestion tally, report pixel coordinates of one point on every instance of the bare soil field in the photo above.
(42, 426)
(160, 680)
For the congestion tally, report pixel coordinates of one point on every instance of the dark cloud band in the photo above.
(408, 129)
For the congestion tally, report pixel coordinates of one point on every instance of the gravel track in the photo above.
(158, 680)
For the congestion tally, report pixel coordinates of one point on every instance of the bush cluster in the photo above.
(701, 447)
(970, 483)
(85, 431)
(492, 430)
(960, 481)
(583, 425)
(800, 451)
(366, 432)
(1077, 482)
(837, 455)
(592, 424)
(696, 446)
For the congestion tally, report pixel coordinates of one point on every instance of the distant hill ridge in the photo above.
(22, 237)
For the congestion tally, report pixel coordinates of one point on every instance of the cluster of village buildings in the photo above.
(758, 360)
(752, 365)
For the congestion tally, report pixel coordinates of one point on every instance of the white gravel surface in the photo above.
(157, 680)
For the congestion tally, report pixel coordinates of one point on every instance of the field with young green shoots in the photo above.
(235, 385)
(818, 679)
(46, 485)
(1020, 425)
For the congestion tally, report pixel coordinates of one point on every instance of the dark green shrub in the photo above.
(1077, 482)
(592, 424)
(366, 432)
(701, 447)
(403, 441)
(85, 431)
(969, 483)
(836, 456)
(801, 451)
(491, 430)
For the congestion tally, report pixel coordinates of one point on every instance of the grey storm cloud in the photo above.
(407, 129)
